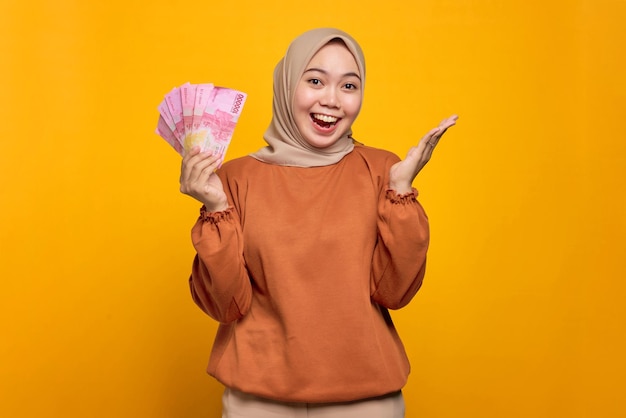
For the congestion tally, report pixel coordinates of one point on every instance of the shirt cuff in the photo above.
(215, 217)
(403, 199)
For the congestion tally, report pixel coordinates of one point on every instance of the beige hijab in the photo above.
(285, 144)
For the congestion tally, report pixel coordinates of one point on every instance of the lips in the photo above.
(324, 121)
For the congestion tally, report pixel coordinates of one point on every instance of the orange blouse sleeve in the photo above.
(399, 261)
(219, 281)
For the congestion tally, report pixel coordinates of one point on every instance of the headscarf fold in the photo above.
(286, 146)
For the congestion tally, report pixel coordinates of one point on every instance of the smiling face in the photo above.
(328, 96)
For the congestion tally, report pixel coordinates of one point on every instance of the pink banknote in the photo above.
(200, 115)
(219, 120)
(202, 99)
(175, 107)
(164, 111)
(163, 129)
(188, 99)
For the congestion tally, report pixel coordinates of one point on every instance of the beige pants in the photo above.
(237, 404)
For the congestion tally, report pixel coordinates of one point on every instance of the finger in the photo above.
(448, 122)
(421, 153)
(196, 181)
(444, 125)
(431, 138)
(189, 159)
(207, 163)
(418, 156)
(187, 155)
(195, 165)
(207, 169)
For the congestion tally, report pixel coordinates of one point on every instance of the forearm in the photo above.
(399, 260)
(219, 282)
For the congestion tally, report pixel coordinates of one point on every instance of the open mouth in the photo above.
(324, 121)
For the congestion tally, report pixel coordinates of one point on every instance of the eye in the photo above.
(351, 86)
(315, 81)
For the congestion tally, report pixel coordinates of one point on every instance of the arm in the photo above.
(399, 261)
(400, 255)
(219, 281)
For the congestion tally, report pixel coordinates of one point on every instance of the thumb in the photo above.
(411, 153)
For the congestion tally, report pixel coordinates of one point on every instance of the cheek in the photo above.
(353, 105)
(301, 108)
(303, 99)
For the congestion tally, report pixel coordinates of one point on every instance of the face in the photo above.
(328, 96)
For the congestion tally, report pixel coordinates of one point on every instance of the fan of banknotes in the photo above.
(201, 115)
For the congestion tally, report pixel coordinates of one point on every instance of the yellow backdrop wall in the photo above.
(522, 312)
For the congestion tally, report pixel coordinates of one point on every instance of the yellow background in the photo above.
(522, 312)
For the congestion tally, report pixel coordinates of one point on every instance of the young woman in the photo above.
(303, 246)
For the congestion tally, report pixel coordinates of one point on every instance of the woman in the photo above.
(303, 246)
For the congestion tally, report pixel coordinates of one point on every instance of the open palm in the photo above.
(402, 173)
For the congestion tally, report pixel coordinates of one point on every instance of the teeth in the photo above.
(325, 118)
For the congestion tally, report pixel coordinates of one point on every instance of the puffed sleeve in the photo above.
(219, 281)
(399, 261)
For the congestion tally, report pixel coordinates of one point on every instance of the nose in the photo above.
(330, 98)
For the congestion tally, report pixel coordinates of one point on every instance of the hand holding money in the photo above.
(198, 179)
(200, 115)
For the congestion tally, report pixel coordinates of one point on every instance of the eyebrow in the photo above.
(350, 74)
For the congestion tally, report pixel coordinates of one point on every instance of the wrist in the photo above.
(401, 188)
(215, 207)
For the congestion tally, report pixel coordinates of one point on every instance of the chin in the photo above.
(322, 142)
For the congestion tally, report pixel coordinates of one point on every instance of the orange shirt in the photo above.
(300, 272)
